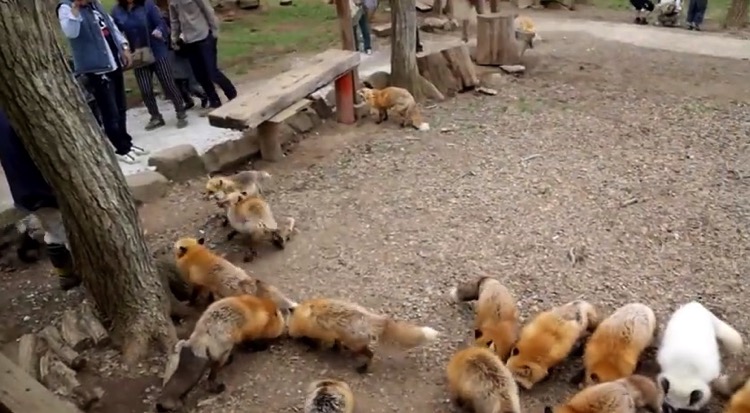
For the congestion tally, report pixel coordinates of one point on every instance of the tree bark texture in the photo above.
(48, 112)
(404, 71)
(737, 14)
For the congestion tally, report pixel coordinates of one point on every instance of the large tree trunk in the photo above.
(737, 14)
(404, 71)
(48, 112)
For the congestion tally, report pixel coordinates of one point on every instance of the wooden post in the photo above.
(22, 394)
(437, 8)
(496, 41)
(268, 139)
(494, 6)
(345, 99)
(345, 95)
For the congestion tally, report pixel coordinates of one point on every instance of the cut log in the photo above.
(382, 30)
(424, 5)
(256, 106)
(92, 326)
(496, 41)
(434, 67)
(55, 343)
(20, 393)
(72, 333)
(269, 140)
(459, 62)
(62, 380)
(28, 355)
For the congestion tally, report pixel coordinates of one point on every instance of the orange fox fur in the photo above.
(548, 339)
(207, 272)
(478, 379)
(397, 100)
(625, 395)
(496, 321)
(614, 349)
(330, 322)
(737, 388)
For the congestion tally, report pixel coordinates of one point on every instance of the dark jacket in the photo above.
(28, 187)
(137, 25)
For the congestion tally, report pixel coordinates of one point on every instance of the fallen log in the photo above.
(72, 333)
(62, 380)
(55, 343)
(92, 326)
(28, 355)
(22, 394)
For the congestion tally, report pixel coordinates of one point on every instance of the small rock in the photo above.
(486, 91)
(513, 69)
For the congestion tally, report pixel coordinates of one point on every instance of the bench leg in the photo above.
(269, 140)
(345, 98)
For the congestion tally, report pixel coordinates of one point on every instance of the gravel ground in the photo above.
(636, 161)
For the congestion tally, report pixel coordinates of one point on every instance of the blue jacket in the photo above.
(29, 189)
(90, 49)
(138, 23)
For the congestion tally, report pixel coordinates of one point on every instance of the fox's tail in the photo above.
(406, 334)
(416, 119)
(265, 290)
(730, 338)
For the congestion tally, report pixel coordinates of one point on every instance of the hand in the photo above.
(156, 33)
(126, 58)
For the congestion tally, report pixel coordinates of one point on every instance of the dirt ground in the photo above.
(635, 160)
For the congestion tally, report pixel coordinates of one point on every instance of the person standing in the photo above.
(32, 193)
(100, 52)
(141, 23)
(695, 14)
(360, 17)
(196, 29)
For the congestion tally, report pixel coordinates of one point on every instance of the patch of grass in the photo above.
(717, 9)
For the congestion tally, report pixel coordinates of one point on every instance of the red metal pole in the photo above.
(345, 99)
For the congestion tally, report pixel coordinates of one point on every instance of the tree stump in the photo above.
(450, 70)
(496, 40)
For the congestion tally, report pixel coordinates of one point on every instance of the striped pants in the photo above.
(144, 76)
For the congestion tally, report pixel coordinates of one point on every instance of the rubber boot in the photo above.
(61, 260)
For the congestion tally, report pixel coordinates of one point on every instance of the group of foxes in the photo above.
(484, 377)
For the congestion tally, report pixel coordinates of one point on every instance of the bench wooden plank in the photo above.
(22, 394)
(252, 108)
(287, 113)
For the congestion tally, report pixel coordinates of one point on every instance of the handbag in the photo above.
(142, 56)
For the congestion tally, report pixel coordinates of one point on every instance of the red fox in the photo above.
(549, 339)
(737, 388)
(479, 380)
(244, 319)
(329, 396)
(496, 323)
(625, 395)
(251, 215)
(330, 322)
(612, 352)
(218, 187)
(208, 273)
(398, 100)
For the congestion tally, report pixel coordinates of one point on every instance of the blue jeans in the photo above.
(364, 28)
(696, 11)
(109, 94)
(203, 60)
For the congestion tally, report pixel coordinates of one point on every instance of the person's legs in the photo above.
(144, 78)
(183, 86)
(105, 99)
(699, 13)
(690, 20)
(163, 70)
(118, 83)
(364, 27)
(198, 64)
(210, 55)
(58, 248)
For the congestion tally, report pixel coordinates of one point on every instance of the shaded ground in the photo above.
(393, 218)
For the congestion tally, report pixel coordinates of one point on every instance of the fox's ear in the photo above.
(201, 241)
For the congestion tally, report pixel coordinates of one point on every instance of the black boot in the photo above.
(61, 260)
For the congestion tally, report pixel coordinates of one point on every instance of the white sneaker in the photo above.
(127, 158)
(137, 150)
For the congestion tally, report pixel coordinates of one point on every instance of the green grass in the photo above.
(717, 9)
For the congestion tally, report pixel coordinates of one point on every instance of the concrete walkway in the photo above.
(203, 136)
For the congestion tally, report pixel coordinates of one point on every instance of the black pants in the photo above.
(203, 60)
(109, 92)
(642, 5)
(189, 89)
(696, 11)
(145, 78)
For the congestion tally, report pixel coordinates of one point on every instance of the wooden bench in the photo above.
(258, 107)
(20, 393)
